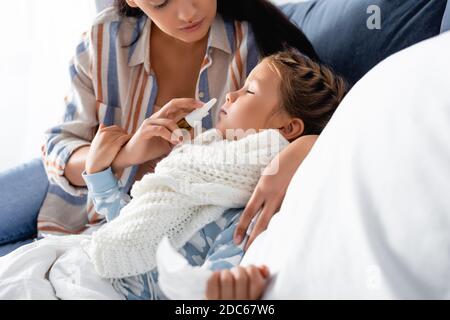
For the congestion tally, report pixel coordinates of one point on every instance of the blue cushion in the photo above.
(338, 29)
(22, 192)
(446, 20)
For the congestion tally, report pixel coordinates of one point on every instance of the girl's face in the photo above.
(185, 20)
(255, 105)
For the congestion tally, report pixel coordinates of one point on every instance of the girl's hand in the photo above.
(239, 283)
(271, 189)
(154, 138)
(104, 148)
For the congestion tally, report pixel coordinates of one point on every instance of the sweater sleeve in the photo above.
(105, 192)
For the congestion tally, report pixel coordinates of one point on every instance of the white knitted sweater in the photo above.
(190, 188)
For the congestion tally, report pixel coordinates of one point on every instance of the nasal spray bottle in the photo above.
(196, 116)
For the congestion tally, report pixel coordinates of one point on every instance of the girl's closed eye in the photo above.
(250, 89)
(159, 4)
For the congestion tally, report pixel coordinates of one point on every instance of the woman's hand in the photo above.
(239, 283)
(156, 136)
(104, 148)
(177, 109)
(271, 189)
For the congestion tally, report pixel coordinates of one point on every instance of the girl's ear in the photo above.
(293, 129)
(132, 4)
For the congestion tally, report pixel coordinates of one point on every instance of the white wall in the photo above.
(38, 40)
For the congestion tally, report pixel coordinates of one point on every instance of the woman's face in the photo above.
(255, 105)
(185, 20)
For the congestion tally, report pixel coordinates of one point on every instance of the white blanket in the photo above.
(50, 269)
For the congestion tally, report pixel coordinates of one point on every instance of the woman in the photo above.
(137, 57)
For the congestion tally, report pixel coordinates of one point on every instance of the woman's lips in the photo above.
(193, 27)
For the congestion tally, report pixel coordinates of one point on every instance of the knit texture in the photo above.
(189, 189)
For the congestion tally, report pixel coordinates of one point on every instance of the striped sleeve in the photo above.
(79, 121)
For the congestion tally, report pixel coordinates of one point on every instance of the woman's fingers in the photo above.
(213, 287)
(168, 123)
(159, 131)
(176, 109)
(164, 128)
(268, 211)
(185, 104)
(252, 208)
(241, 289)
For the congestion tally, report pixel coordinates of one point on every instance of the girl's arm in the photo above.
(271, 188)
(103, 186)
(106, 194)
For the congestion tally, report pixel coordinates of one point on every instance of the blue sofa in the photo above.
(337, 28)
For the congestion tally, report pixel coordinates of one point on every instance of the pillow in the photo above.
(367, 214)
(338, 29)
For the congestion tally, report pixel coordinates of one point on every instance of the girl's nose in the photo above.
(187, 11)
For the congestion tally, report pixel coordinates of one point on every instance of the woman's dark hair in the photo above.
(273, 31)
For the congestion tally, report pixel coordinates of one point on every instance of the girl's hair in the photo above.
(273, 31)
(309, 90)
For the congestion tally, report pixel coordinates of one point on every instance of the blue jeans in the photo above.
(22, 191)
